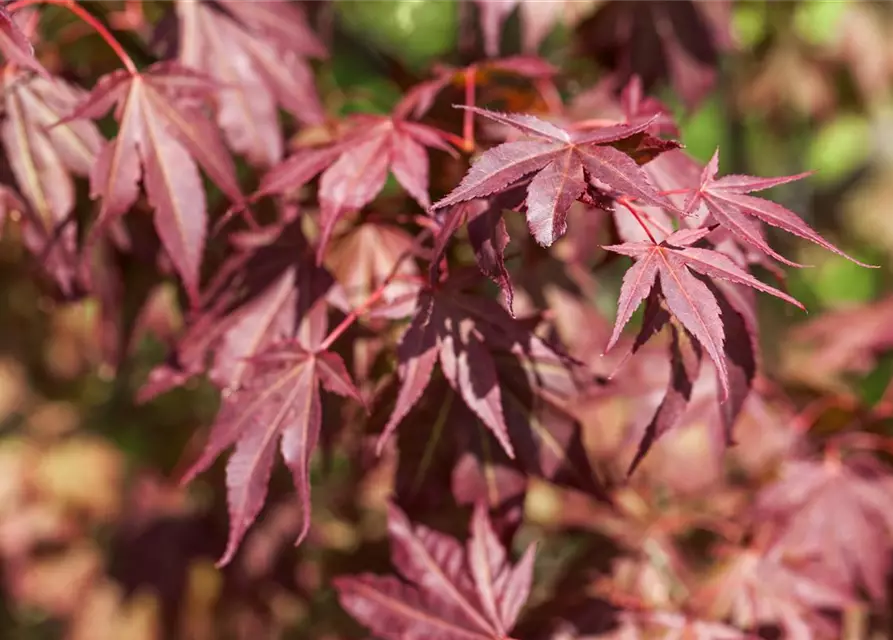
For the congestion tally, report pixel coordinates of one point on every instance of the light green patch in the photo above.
(816, 21)
(703, 130)
(839, 148)
(415, 31)
(749, 22)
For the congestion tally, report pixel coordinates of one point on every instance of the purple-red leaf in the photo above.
(561, 160)
(687, 297)
(456, 592)
(258, 67)
(726, 200)
(162, 135)
(279, 405)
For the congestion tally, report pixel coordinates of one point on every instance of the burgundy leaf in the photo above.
(258, 67)
(278, 406)
(161, 136)
(688, 298)
(355, 168)
(558, 158)
(678, 41)
(455, 593)
(726, 200)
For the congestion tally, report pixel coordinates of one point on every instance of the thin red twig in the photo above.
(626, 205)
(468, 116)
(375, 296)
(88, 18)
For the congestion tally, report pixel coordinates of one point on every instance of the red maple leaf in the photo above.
(839, 513)
(162, 134)
(466, 335)
(269, 291)
(44, 160)
(355, 168)
(447, 591)
(257, 55)
(675, 261)
(727, 201)
(562, 163)
(278, 406)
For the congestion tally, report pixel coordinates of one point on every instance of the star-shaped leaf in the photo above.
(727, 201)
(450, 592)
(277, 407)
(354, 169)
(162, 134)
(561, 162)
(676, 262)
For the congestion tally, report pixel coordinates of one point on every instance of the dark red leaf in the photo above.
(558, 159)
(458, 593)
(162, 135)
(726, 200)
(278, 406)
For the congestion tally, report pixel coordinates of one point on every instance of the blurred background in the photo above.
(97, 539)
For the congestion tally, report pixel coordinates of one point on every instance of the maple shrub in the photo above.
(399, 297)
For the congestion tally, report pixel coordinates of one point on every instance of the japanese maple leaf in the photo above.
(446, 591)
(840, 513)
(679, 41)
(727, 201)
(257, 53)
(16, 47)
(355, 168)
(465, 334)
(278, 406)
(162, 134)
(44, 158)
(675, 262)
(269, 291)
(758, 587)
(562, 162)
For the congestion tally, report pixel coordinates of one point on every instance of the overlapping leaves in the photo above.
(278, 407)
(564, 162)
(163, 135)
(446, 591)
(257, 54)
(355, 168)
